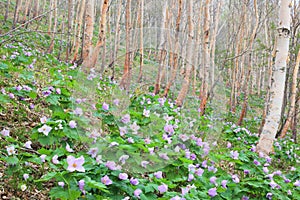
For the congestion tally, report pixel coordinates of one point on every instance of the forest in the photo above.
(150, 100)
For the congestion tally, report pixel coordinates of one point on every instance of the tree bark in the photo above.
(206, 59)
(292, 98)
(125, 81)
(190, 47)
(269, 131)
(176, 50)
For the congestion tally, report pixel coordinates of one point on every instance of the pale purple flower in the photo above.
(289, 192)
(229, 145)
(55, 159)
(144, 164)
(123, 159)
(134, 181)
(191, 177)
(111, 165)
(191, 168)
(158, 174)
(72, 124)
(223, 183)
(234, 155)
(278, 172)
(246, 171)
(23, 187)
(162, 188)
(61, 184)
(69, 149)
(147, 140)
(146, 113)
(5, 132)
(123, 176)
(183, 137)
(134, 127)
(269, 195)
(213, 180)
(43, 119)
(235, 178)
(116, 102)
(293, 168)
(266, 170)
(43, 157)
(25, 176)
(11, 95)
(256, 162)
(164, 156)
(123, 131)
(58, 91)
(273, 184)
(212, 169)
(245, 198)
(176, 198)
(75, 164)
(78, 111)
(18, 88)
(105, 106)
(126, 119)
(93, 152)
(45, 129)
(28, 145)
(151, 150)
(81, 185)
(46, 93)
(297, 183)
(212, 192)
(137, 193)
(169, 128)
(204, 164)
(130, 140)
(199, 172)
(106, 181)
(99, 159)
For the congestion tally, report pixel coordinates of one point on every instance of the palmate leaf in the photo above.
(97, 185)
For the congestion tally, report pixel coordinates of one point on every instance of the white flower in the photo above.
(28, 145)
(146, 113)
(45, 129)
(23, 187)
(43, 120)
(5, 132)
(11, 150)
(68, 148)
(55, 159)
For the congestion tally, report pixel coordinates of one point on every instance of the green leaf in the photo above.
(32, 94)
(97, 185)
(3, 66)
(12, 160)
(4, 99)
(47, 177)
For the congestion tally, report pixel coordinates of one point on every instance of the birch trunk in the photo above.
(89, 28)
(292, 98)
(206, 59)
(79, 27)
(186, 82)
(54, 27)
(273, 117)
(125, 81)
(176, 50)
(250, 61)
(101, 37)
(162, 48)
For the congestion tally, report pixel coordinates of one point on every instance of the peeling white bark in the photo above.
(273, 117)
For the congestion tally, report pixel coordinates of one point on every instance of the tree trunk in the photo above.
(292, 98)
(6, 10)
(70, 19)
(176, 50)
(54, 27)
(141, 25)
(79, 28)
(90, 63)
(116, 38)
(250, 62)
(273, 117)
(88, 32)
(189, 57)
(162, 48)
(36, 8)
(125, 81)
(206, 59)
(50, 17)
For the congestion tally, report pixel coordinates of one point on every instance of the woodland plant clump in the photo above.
(105, 145)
